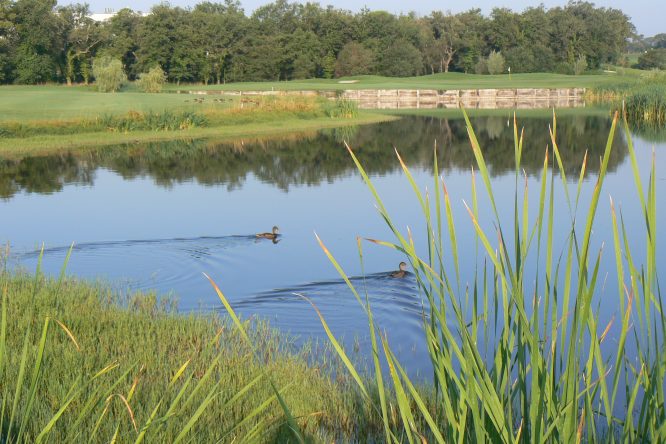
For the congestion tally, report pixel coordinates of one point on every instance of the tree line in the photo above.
(217, 42)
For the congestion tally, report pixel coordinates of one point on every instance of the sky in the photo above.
(646, 15)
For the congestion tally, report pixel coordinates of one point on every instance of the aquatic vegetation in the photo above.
(153, 121)
(343, 108)
(644, 103)
(549, 375)
(646, 106)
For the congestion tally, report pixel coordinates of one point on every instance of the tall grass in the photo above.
(643, 102)
(342, 107)
(546, 378)
(78, 363)
(647, 106)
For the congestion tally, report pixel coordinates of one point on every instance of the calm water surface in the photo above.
(157, 216)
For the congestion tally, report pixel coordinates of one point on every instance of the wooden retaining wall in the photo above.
(521, 98)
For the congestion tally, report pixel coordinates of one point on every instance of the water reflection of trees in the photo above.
(321, 157)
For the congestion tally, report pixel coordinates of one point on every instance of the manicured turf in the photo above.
(452, 80)
(59, 102)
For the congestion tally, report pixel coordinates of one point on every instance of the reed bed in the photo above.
(546, 377)
(644, 103)
(647, 106)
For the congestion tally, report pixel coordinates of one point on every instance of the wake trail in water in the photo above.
(165, 265)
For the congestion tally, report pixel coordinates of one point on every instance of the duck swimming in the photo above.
(401, 272)
(273, 235)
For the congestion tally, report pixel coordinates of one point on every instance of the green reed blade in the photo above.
(452, 232)
(434, 429)
(293, 426)
(339, 349)
(404, 407)
(379, 379)
(212, 394)
(34, 380)
(3, 331)
(19, 380)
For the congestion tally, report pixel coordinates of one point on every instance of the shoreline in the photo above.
(16, 148)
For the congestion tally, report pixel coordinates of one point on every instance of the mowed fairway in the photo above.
(451, 80)
(29, 103)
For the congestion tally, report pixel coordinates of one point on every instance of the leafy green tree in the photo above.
(259, 58)
(334, 28)
(444, 39)
(81, 37)
(303, 57)
(505, 29)
(123, 43)
(401, 59)
(37, 44)
(472, 40)
(167, 38)
(109, 74)
(40, 41)
(6, 26)
(219, 28)
(354, 59)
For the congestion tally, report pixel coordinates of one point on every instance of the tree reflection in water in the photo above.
(313, 158)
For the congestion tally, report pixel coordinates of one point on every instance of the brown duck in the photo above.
(273, 235)
(401, 272)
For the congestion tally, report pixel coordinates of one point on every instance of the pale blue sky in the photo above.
(647, 15)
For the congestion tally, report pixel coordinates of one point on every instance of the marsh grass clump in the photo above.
(342, 108)
(646, 106)
(153, 121)
(547, 374)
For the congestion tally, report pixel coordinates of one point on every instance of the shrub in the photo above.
(495, 63)
(109, 74)
(153, 80)
(580, 66)
(652, 58)
(481, 66)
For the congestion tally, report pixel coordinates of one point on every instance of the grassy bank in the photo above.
(14, 148)
(452, 80)
(43, 120)
(100, 366)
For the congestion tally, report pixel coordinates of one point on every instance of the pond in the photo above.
(157, 216)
